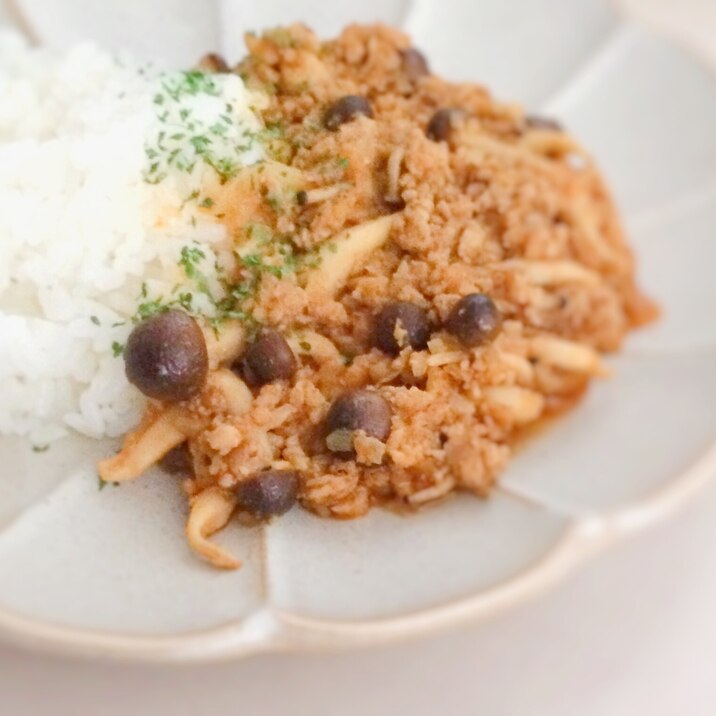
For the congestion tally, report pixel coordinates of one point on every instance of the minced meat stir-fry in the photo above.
(412, 274)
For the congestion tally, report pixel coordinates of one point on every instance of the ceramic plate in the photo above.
(108, 573)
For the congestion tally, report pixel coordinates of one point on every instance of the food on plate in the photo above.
(324, 276)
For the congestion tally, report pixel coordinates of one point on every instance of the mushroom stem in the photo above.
(210, 511)
(568, 355)
(344, 253)
(156, 435)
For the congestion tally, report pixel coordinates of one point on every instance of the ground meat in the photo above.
(501, 208)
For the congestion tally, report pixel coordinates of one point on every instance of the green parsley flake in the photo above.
(198, 126)
(101, 484)
(147, 309)
(191, 257)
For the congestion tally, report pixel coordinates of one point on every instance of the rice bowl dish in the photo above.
(375, 279)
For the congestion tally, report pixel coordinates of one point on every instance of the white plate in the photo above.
(108, 572)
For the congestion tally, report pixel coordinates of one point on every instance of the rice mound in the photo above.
(81, 232)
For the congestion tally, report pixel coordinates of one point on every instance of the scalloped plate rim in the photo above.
(271, 630)
(581, 539)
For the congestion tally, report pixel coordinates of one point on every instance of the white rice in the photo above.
(81, 230)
